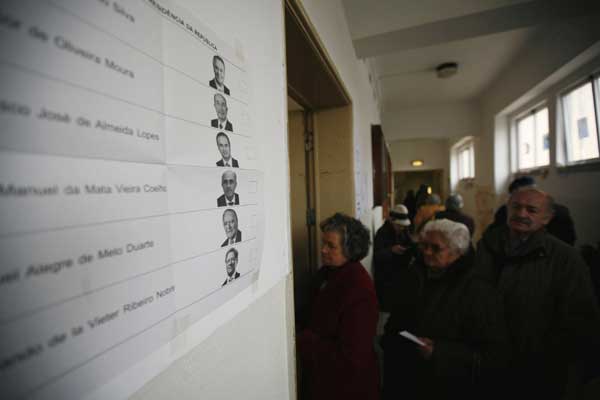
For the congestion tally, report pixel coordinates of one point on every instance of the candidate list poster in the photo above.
(130, 198)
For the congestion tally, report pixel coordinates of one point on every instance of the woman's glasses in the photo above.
(435, 248)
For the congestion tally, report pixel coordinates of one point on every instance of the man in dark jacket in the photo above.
(392, 250)
(551, 313)
(561, 224)
(454, 205)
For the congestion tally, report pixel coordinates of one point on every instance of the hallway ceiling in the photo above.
(404, 40)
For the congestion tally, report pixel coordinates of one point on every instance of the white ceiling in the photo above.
(404, 40)
(408, 78)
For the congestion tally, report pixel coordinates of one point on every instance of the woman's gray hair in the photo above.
(456, 234)
(354, 235)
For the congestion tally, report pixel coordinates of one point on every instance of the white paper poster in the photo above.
(130, 194)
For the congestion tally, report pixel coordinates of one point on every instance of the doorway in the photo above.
(320, 148)
(411, 180)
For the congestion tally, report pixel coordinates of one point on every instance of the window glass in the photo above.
(525, 142)
(581, 132)
(533, 140)
(542, 138)
(466, 168)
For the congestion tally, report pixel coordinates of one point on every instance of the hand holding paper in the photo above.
(411, 337)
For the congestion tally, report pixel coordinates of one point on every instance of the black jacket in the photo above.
(387, 265)
(215, 124)
(222, 201)
(234, 163)
(238, 238)
(550, 309)
(462, 314)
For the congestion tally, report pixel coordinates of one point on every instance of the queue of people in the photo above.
(515, 318)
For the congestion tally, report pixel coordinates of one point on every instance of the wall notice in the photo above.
(130, 196)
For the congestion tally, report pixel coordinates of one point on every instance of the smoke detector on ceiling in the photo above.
(446, 70)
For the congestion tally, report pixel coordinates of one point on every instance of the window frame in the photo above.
(530, 111)
(467, 142)
(563, 161)
(470, 148)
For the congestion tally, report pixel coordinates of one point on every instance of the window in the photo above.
(533, 140)
(580, 118)
(465, 157)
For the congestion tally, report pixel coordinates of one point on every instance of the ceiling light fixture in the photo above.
(446, 70)
(417, 163)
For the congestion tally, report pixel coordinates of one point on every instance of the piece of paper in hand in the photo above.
(411, 337)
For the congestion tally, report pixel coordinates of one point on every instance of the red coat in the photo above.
(336, 351)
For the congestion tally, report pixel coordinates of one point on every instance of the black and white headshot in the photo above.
(231, 260)
(230, 224)
(218, 82)
(224, 146)
(229, 184)
(221, 121)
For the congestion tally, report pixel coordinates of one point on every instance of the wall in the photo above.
(455, 119)
(251, 355)
(556, 56)
(328, 19)
(243, 349)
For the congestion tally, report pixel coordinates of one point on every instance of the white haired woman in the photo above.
(457, 317)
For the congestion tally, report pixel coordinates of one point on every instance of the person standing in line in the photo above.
(336, 349)
(456, 316)
(551, 311)
(393, 249)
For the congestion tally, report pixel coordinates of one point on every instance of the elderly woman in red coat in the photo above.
(336, 351)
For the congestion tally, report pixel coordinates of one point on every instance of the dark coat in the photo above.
(238, 238)
(222, 202)
(561, 225)
(462, 314)
(387, 264)
(215, 124)
(234, 163)
(235, 276)
(551, 312)
(213, 85)
(458, 216)
(336, 350)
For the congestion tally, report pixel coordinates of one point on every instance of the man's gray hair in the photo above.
(456, 234)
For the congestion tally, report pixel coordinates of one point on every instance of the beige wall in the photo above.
(455, 119)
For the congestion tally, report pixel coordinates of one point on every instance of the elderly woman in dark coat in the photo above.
(336, 351)
(456, 316)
